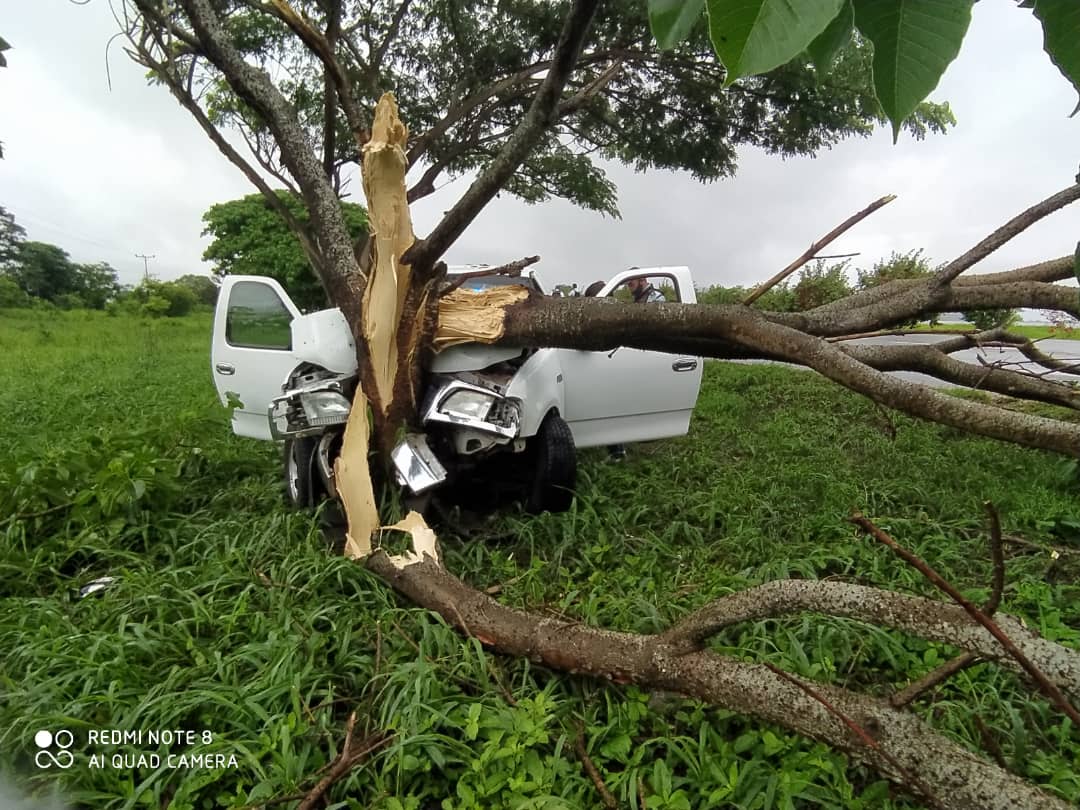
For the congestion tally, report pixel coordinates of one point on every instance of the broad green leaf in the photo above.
(755, 36)
(914, 41)
(1061, 37)
(836, 35)
(672, 20)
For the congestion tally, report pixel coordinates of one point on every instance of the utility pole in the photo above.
(146, 264)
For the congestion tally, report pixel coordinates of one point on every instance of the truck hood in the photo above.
(323, 339)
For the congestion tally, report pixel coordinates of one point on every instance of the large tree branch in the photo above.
(931, 360)
(424, 253)
(961, 778)
(915, 615)
(339, 270)
(1014, 226)
(1048, 271)
(187, 101)
(596, 325)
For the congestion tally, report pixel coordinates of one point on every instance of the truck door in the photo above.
(252, 352)
(629, 395)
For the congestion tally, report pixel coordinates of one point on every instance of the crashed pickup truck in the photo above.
(508, 415)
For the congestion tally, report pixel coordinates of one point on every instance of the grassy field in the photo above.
(229, 617)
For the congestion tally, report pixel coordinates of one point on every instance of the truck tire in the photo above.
(299, 469)
(554, 467)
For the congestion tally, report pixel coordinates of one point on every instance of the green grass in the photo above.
(229, 615)
(1031, 331)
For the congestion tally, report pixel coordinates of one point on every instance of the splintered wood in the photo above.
(475, 317)
(384, 167)
(353, 479)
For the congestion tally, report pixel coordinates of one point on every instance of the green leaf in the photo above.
(836, 35)
(661, 778)
(755, 36)
(914, 41)
(1061, 37)
(672, 20)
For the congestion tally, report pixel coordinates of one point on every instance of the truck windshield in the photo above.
(487, 282)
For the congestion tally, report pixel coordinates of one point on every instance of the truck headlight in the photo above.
(468, 404)
(325, 408)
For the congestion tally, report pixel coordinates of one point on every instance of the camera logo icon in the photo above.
(62, 741)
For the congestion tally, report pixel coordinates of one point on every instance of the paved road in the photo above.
(1068, 350)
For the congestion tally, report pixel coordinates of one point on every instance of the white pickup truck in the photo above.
(517, 415)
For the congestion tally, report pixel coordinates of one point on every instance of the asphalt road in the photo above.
(1068, 350)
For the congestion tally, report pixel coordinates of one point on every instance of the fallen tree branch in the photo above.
(590, 768)
(345, 762)
(1045, 684)
(960, 778)
(811, 251)
(915, 615)
(599, 325)
(864, 736)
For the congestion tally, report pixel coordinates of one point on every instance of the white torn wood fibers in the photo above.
(383, 170)
(466, 316)
(384, 165)
(423, 540)
(353, 480)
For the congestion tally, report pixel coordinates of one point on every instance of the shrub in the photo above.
(11, 295)
(984, 319)
(819, 285)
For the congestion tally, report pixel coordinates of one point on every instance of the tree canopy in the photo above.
(464, 75)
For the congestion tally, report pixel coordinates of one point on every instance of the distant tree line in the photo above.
(38, 274)
(820, 283)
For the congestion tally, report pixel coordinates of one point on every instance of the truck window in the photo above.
(257, 319)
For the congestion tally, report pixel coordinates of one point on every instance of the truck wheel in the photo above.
(554, 467)
(299, 463)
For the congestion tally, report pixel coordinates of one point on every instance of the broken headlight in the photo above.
(324, 408)
(468, 404)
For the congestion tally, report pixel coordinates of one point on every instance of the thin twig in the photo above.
(344, 762)
(41, 513)
(1045, 685)
(860, 732)
(512, 269)
(932, 678)
(900, 333)
(591, 770)
(761, 289)
(991, 744)
(497, 588)
(1012, 540)
(997, 554)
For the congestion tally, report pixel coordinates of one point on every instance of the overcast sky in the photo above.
(109, 173)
